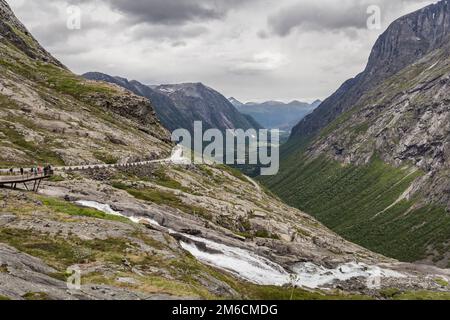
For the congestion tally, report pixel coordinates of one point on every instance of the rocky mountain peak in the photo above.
(235, 102)
(195, 89)
(407, 40)
(410, 38)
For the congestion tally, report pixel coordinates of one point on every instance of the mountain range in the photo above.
(179, 105)
(82, 217)
(172, 230)
(276, 114)
(372, 161)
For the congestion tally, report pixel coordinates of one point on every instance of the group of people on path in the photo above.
(36, 171)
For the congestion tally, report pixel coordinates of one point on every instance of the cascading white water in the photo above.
(260, 270)
(242, 263)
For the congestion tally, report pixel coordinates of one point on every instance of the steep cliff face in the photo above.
(405, 41)
(377, 173)
(405, 120)
(165, 109)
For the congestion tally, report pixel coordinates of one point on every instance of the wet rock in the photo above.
(192, 232)
(70, 198)
(200, 245)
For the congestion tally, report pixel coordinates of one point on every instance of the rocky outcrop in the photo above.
(130, 106)
(165, 109)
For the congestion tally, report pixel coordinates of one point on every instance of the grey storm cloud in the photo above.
(170, 32)
(315, 16)
(172, 12)
(140, 19)
(329, 15)
(239, 47)
(49, 37)
(168, 11)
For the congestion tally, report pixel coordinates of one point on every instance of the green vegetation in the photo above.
(256, 292)
(3, 298)
(266, 234)
(61, 253)
(361, 128)
(30, 42)
(75, 210)
(209, 173)
(441, 282)
(6, 102)
(52, 81)
(106, 157)
(234, 172)
(37, 153)
(396, 294)
(390, 293)
(35, 296)
(162, 179)
(156, 175)
(161, 197)
(50, 75)
(423, 295)
(361, 203)
(3, 268)
(69, 83)
(56, 178)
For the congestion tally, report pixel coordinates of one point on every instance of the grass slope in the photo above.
(360, 203)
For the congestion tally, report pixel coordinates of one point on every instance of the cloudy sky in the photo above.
(253, 50)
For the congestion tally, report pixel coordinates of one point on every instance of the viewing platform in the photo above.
(31, 182)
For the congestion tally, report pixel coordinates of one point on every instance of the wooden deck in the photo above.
(30, 182)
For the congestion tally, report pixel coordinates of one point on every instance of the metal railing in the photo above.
(23, 177)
